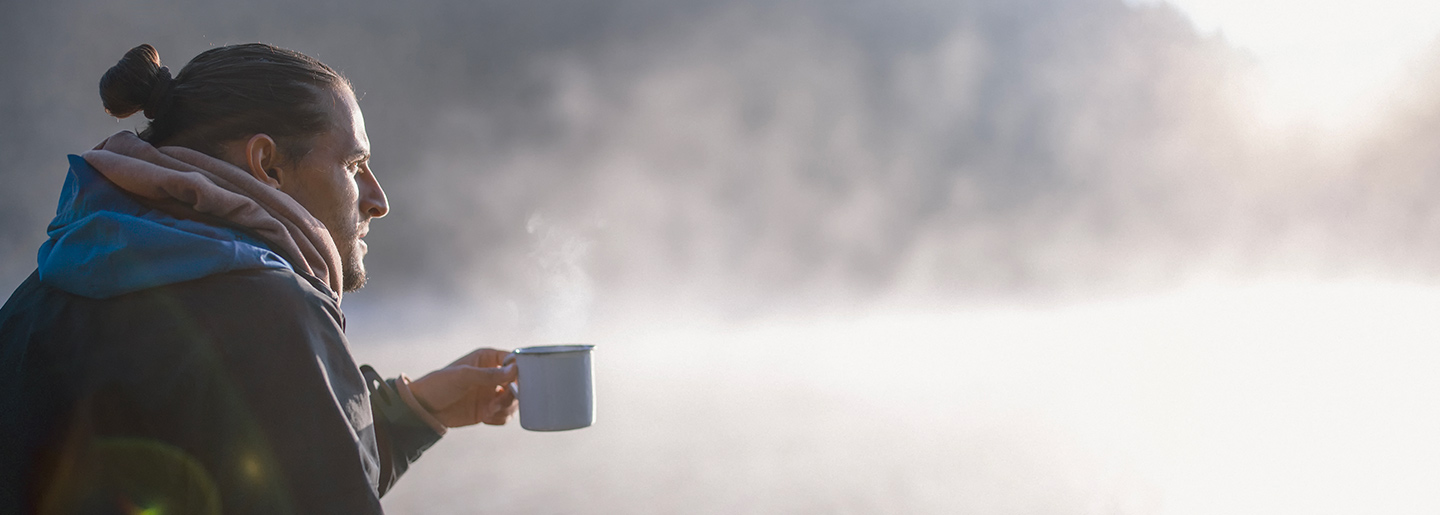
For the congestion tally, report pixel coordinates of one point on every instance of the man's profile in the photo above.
(180, 347)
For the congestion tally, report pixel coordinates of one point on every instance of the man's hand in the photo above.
(469, 391)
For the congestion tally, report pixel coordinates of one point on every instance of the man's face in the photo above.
(334, 183)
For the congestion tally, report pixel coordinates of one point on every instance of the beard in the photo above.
(352, 266)
(346, 234)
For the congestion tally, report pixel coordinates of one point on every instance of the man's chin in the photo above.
(352, 268)
(353, 279)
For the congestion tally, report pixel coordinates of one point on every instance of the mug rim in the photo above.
(554, 349)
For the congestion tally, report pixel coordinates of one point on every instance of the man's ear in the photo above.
(262, 160)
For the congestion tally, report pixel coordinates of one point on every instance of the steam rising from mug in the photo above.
(566, 290)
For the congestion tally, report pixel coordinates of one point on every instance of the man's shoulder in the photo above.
(275, 286)
(268, 295)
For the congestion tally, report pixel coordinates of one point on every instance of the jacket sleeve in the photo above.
(290, 361)
(400, 435)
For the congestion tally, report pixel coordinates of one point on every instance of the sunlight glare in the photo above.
(1327, 63)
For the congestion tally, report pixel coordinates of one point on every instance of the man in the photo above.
(180, 347)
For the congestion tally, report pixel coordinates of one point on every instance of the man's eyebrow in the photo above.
(357, 155)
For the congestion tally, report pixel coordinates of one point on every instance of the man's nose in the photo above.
(372, 197)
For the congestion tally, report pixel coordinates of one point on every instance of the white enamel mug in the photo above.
(556, 387)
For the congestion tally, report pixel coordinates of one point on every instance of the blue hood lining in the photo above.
(103, 242)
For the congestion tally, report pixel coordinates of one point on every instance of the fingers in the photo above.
(472, 359)
(494, 357)
(484, 357)
(500, 408)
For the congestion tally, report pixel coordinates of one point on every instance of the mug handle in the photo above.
(514, 390)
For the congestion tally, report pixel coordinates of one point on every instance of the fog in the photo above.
(1047, 256)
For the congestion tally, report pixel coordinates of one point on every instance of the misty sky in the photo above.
(749, 153)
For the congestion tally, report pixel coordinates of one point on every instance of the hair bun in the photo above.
(136, 83)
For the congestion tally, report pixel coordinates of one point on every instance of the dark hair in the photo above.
(224, 94)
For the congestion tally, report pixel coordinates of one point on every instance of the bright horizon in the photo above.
(1236, 398)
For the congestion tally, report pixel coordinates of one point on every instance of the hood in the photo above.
(104, 243)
